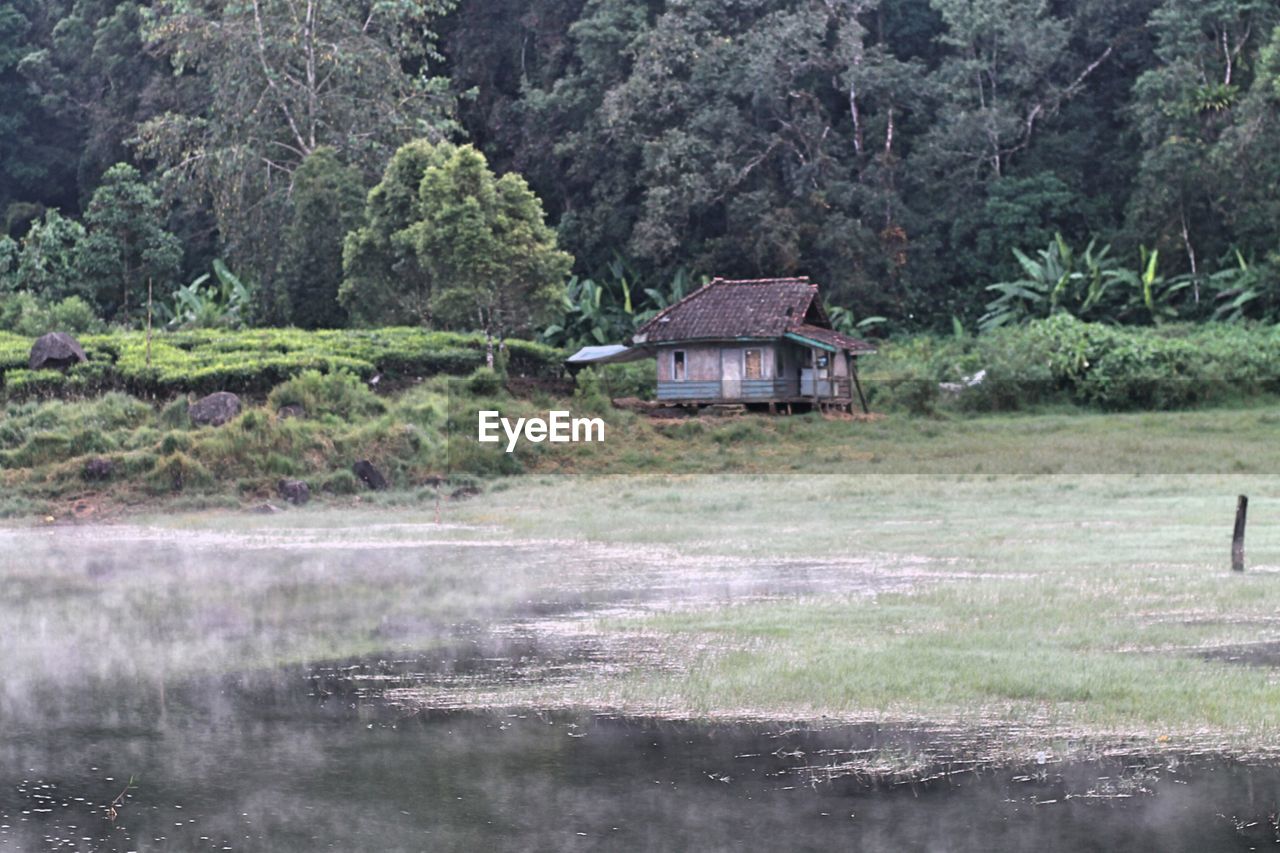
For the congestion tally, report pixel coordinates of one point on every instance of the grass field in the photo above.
(1093, 599)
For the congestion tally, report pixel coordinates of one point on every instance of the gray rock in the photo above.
(56, 350)
(294, 491)
(215, 409)
(369, 475)
(98, 469)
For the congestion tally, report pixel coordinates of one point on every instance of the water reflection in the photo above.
(265, 767)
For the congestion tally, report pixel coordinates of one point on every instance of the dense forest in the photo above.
(319, 163)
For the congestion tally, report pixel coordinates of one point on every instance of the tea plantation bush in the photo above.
(1064, 360)
(257, 360)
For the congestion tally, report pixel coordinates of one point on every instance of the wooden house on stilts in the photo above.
(757, 341)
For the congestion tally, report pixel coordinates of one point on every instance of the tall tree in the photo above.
(127, 248)
(34, 146)
(382, 281)
(1182, 106)
(93, 75)
(47, 262)
(327, 203)
(482, 256)
(284, 78)
(482, 241)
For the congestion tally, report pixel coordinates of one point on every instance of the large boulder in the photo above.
(369, 475)
(215, 409)
(56, 350)
(294, 491)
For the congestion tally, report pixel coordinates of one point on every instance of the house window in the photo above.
(677, 366)
(755, 368)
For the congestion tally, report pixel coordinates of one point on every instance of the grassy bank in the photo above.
(314, 427)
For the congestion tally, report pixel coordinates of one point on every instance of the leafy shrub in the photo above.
(588, 396)
(341, 483)
(340, 394)
(633, 379)
(915, 396)
(484, 381)
(178, 472)
(177, 413)
(1062, 359)
(27, 315)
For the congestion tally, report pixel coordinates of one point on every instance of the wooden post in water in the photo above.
(1237, 537)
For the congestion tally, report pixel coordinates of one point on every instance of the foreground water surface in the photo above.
(175, 691)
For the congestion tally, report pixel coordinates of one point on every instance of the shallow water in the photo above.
(265, 767)
(237, 679)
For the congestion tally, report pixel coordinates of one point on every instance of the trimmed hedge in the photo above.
(257, 360)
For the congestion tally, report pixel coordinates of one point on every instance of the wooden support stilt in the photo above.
(853, 372)
(1237, 536)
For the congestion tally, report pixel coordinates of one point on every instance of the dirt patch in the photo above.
(1247, 654)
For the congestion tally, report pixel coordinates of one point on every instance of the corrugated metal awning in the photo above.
(610, 354)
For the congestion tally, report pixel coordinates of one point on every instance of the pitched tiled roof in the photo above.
(832, 337)
(756, 308)
(745, 308)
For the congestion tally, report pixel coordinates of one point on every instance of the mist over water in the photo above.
(235, 674)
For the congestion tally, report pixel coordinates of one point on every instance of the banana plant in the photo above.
(844, 321)
(593, 314)
(1058, 279)
(213, 300)
(1150, 292)
(1237, 290)
(681, 285)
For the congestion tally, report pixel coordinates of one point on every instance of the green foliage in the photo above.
(448, 243)
(201, 361)
(588, 393)
(126, 244)
(341, 483)
(178, 472)
(630, 379)
(896, 152)
(27, 315)
(220, 301)
(370, 85)
(327, 201)
(607, 309)
(484, 381)
(1064, 360)
(1059, 279)
(48, 261)
(340, 394)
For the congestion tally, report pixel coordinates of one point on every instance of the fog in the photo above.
(231, 672)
